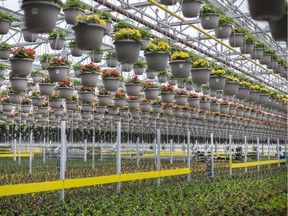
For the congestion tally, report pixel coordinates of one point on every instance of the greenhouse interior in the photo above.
(134, 107)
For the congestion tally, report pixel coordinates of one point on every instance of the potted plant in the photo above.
(71, 9)
(18, 83)
(86, 94)
(132, 102)
(243, 90)
(26, 105)
(188, 83)
(107, 16)
(172, 80)
(111, 59)
(15, 96)
(151, 90)
(194, 100)
(167, 109)
(36, 75)
(224, 106)
(77, 68)
(278, 28)
(45, 59)
(236, 38)
(3, 68)
(231, 85)
(217, 79)
(205, 89)
(181, 97)
(146, 36)
(163, 76)
(6, 105)
(126, 67)
(248, 44)
(209, 16)
(264, 95)
(133, 86)
(191, 8)
(145, 105)
(157, 55)
(167, 93)
(46, 86)
(5, 50)
(139, 66)
(96, 55)
(267, 56)
(274, 60)
(55, 101)
(181, 83)
(22, 60)
(200, 72)
(75, 51)
(122, 24)
(224, 28)
(37, 99)
(57, 39)
(71, 103)
(258, 51)
(89, 74)
(58, 69)
(127, 45)
(41, 16)
(111, 80)
(89, 31)
(180, 64)
(156, 105)
(254, 93)
(5, 22)
(120, 99)
(205, 102)
(65, 89)
(104, 97)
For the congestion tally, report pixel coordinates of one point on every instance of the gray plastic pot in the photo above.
(231, 88)
(29, 36)
(152, 93)
(247, 48)
(236, 40)
(194, 102)
(133, 89)
(167, 97)
(139, 70)
(273, 64)
(86, 97)
(66, 92)
(40, 16)
(4, 26)
(71, 105)
(254, 96)
(191, 8)
(120, 102)
(70, 14)
(89, 79)
(15, 98)
(58, 73)
(57, 43)
(181, 99)
(46, 88)
(150, 75)
(205, 105)
(111, 83)
(279, 29)
(200, 75)
(89, 36)
(112, 62)
(104, 99)
(257, 53)
(37, 101)
(217, 82)
(126, 67)
(75, 51)
(21, 67)
(223, 31)
(127, 51)
(96, 56)
(26, 108)
(19, 83)
(266, 59)
(55, 103)
(162, 79)
(209, 20)
(4, 54)
(243, 92)
(180, 68)
(157, 61)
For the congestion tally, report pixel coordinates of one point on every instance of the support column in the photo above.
(118, 153)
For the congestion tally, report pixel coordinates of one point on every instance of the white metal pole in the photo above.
(158, 154)
(269, 166)
(62, 159)
(258, 153)
(118, 153)
(189, 155)
(31, 151)
(230, 152)
(20, 149)
(246, 150)
(15, 150)
(154, 149)
(85, 150)
(137, 151)
(171, 151)
(278, 152)
(93, 149)
(44, 150)
(212, 155)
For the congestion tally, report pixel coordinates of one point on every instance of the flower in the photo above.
(134, 79)
(127, 33)
(72, 99)
(110, 73)
(201, 63)
(132, 98)
(193, 95)
(168, 88)
(103, 92)
(180, 92)
(233, 79)
(149, 85)
(218, 72)
(264, 90)
(66, 83)
(157, 102)
(91, 67)
(54, 97)
(255, 87)
(23, 52)
(158, 46)
(92, 18)
(120, 95)
(86, 89)
(180, 56)
(58, 61)
(247, 84)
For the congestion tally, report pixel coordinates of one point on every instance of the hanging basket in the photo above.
(21, 67)
(66, 92)
(223, 31)
(145, 106)
(37, 102)
(200, 75)
(191, 8)
(209, 21)
(86, 97)
(29, 36)
(231, 88)
(156, 108)
(254, 96)
(133, 89)
(75, 51)
(18, 83)
(40, 16)
(224, 109)
(167, 97)
(257, 53)
(273, 64)
(56, 43)
(26, 108)
(120, 102)
(194, 102)
(46, 88)
(104, 100)
(89, 36)
(108, 28)
(58, 73)
(152, 93)
(263, 98)
(70, 14)
(150, 75)
(157, 61)
(279, 29)
(217, 82)
(55, 104)
(180, 68)
(111, 83)
(89, 79)
(139, 70)
(127, 51)
(7, 107)
(5, 54)
(111, 62)
(126, 67)
(144, 43)
(243, 92)
(172, 81)
(96, 56)
(205, 105)
(162, 79)
(71, 106)
(266, 59)
(4, 26)
(15, 98)
(265, 10)
(247, 48)
(236, 40)
(181, 99)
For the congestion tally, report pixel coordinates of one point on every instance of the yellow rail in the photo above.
(14, 155)
(212, 37)
(256, 163)
(9, 190)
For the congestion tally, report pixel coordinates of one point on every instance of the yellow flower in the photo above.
(102, 22)
(255, 87)
(264, 90)
(280, 96)
(218, 72)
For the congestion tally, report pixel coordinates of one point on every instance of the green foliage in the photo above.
(3, 66)
(6, 16)
(140, 63)
(72, 42)
(4, 45)
(35, 72)
(145, 34)
(110, 54)
(240, 29)
(250, 39)
(58, 33)
(75, 4)
(163, 73)
(259, 44)
(46, 57)
(225, 20)
(106, 15)
(207, 8)
(122, 24)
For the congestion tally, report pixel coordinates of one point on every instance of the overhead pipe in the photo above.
(174, 37)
